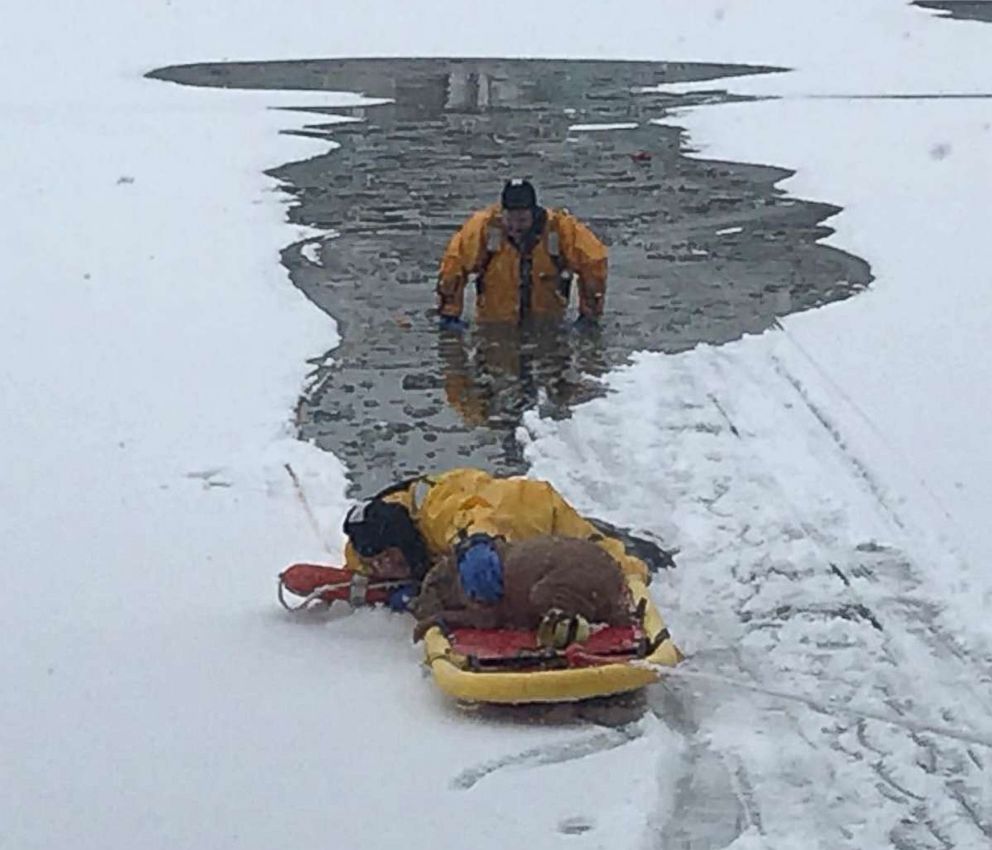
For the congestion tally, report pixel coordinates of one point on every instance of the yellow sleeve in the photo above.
(461, 257)
(352, 561)
(569, 523)
(588, 257)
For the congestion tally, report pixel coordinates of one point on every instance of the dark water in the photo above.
(396, 397)
(968, 10)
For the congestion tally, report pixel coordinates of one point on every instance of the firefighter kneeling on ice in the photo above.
(524, 258)
(487, 552)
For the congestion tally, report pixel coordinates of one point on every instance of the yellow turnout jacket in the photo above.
(466, 501)
(482, 248)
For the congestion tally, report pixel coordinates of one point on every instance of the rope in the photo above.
(314, 595)
(813, 533)
(875, 429)
(827, 708)
(302, 497)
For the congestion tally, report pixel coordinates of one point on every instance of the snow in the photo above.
(154, 349)
(900, 369)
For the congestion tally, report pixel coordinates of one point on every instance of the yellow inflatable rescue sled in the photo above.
(511, 667)
(508, 666)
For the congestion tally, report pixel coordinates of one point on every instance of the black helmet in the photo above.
(518, 194)
(376, 525)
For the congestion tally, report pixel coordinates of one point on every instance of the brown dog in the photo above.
(542, 574)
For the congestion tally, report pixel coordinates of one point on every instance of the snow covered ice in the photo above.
(825, 481)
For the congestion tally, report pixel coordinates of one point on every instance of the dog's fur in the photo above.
(541, 574)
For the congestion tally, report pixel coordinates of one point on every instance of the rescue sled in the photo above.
(506, 666)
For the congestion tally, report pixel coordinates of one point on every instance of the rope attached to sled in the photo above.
(314, 596)
(826, 708)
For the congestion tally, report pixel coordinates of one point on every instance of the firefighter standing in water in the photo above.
(524, 258)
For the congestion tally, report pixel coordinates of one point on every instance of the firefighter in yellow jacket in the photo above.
(397, 533)
(524, 259)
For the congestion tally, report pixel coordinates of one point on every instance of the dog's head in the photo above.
(439, 591)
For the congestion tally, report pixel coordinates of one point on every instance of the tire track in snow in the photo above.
(551, 754)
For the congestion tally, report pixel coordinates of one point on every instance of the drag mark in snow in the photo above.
(831, 427)
(576, 825)
(209, 477)
(723, 413)
(556, 754)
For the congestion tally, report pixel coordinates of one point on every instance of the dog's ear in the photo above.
(445, 569)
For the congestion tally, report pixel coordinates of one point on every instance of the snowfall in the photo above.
(826, 482)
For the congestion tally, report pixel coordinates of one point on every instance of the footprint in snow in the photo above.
(576, 825)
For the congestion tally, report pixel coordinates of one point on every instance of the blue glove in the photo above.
(451, 323)
(480, 569)
(400, 597)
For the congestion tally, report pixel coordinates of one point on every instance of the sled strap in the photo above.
(564, 275)
(659, 639)
(358, 590)
(494, 241)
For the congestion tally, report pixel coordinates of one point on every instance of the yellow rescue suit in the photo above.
(466, 501)
(563, 247)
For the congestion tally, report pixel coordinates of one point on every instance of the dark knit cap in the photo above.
(376, 525)
(519, 195)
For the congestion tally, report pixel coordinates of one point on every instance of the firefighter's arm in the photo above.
(459, 260)
(569, 523)
(585, 255)
(475, 515)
